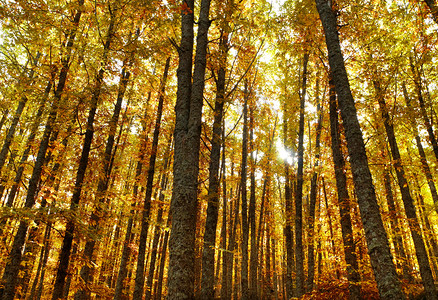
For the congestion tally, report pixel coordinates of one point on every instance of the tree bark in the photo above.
(377, 240)
(313, 192)
(139, 276)
(426, 120)
(299, 252)
(420, 248)
(343, 200)
(20, 107)
(86, 272)
(126, 250)
(243, 189)
(15, 256)
(208, 280)
(64, 256)
(187, 136)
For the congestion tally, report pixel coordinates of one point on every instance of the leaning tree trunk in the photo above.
(187, 135)
(299, 252)
(15, 256)
(423, 159)
(426, 120)
(11, 131)
(343, 200)
(64, 256)
(208, 280)
(420, 248)
(378, 247)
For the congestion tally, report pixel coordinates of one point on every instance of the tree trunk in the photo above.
(187, 135)
(243, 189)
(225, 254)
(252, 210)
(377, 240)
(11, 131)
(426, 120)
(129, 236)
(313, 192)
(423, 159)
(299, 252)
(139, 276)
(343, 200)
(420, 248)
(15, 256)
(290, 257)
(207, 283)
(64, 256)
(30, 140)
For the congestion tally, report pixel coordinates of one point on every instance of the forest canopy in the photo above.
(235, 149)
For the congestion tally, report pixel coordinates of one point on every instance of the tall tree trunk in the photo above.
(139, 276)
(225, 254)
(30, 140)
(64, 256)
(129, 236)
(377, 240)
(299, 252)
(15, 256)
(252, 210)
(343, 200)
(187, 135)
(313, 192)
(426, 120)
(243, 189)
(423, 159)
(290, 257)
(21, 104)
(208, 280)
(86, 272)
(420, 248)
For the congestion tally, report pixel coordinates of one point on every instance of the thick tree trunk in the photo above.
(420, 248)
(64, 257)
(299, 252)
(377, 240)
(208, 281)
(139, 276)
(343, 200)
(187, 136)
(15, 256)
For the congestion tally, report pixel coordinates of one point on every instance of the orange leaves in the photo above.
(185, 9)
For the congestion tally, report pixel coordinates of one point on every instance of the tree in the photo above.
(188, 110)
(380, 255)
